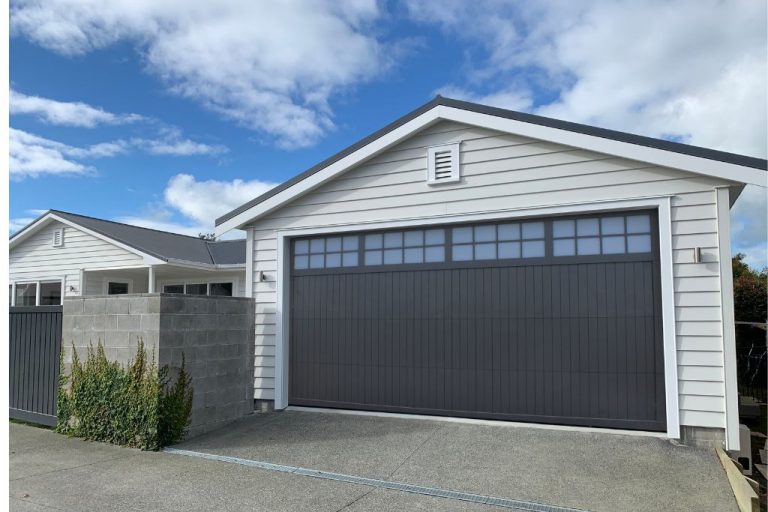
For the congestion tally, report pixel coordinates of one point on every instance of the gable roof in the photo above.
(673, 154)
(163, 245)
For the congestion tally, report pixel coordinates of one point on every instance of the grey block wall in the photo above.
(214, 334)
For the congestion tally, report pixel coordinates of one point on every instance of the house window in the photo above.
(50, 293)
(39, 293)
(26, 294)
(173, 288)
(220, 289)
(196, 289)
(117, 288)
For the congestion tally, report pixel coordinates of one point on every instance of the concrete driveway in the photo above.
(582, 470)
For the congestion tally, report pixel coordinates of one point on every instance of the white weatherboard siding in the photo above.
(502, 172)
(36, 259)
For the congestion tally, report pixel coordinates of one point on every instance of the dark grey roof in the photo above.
(161, 244)
(676, 147)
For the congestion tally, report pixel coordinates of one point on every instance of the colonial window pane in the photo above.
(562, 229)
(302, 246)
(333, 259)
(612, 225)
(26, 294)
(373, 241)
(587, 227)
(393, 239)
(50, 293)
(588, 245)
(317, 245)
(333, 244)
(414, 238)
(462, 252)
(316, 261)
(564, 247)
(434, 237)
(485, 233)
(462, 235)
(509, 231)
(393, 256)
(639, 243)
(299, 263)
(533, 249)
(533, 230)
(508, 250)
(485, 251)
(613, 245)
(350, 243)
(349, 259)
(414, 255)
(638, 224)
(434, 254)
(373, 257)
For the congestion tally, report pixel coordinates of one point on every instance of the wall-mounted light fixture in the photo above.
(697, 254)
(261, 276)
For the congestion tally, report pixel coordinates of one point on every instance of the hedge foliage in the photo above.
(136, 405)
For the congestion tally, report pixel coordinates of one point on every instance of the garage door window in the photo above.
(617, 234)
(327, 252)
(398, 247)
(498, 241)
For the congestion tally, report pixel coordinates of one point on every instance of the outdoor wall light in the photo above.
(697, 254)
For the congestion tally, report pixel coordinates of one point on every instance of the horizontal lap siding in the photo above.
(505, 171)
(37, 259)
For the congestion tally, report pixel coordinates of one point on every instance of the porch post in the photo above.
(151, 283)
(82, 282)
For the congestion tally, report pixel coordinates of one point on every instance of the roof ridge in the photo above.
(126, 224)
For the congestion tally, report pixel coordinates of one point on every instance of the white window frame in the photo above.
(37, 283)
(107, 279)
(208, 282)
(661, 203)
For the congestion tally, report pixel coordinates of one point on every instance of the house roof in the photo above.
(521, 117)
(163, 245)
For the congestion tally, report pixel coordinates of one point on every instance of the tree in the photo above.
(207, 236)
(750, 291)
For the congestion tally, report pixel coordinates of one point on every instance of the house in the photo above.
(477, 262)
(62, 254)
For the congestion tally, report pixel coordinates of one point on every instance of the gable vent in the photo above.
(443, 164)
(58, 237)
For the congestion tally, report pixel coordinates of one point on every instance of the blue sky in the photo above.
(167, 114)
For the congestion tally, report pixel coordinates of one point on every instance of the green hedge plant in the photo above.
(136, 405)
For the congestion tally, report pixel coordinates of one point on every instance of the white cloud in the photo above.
(693, 70)
(65, 113)
(271, 66)
(31, 156)
(204, 201)
(197, 204)
(171, 142)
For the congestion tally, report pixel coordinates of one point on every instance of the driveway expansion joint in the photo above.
(512, 504)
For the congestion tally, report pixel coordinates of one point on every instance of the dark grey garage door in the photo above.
(553, 320)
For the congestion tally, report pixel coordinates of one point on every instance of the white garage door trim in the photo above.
(661, 203)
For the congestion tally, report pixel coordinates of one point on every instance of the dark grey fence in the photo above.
(752, 361)
(34, 347)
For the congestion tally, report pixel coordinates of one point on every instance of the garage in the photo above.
(554, 320)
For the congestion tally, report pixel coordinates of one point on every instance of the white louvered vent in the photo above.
(443, 164)
(58, 237)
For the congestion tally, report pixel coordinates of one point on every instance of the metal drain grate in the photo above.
(527, 506)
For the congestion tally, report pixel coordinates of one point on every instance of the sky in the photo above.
(169, 114)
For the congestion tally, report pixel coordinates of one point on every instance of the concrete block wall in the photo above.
(214, 334)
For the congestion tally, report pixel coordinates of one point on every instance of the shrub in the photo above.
(134, 406)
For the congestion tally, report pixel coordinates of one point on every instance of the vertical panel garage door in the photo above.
(554, 320)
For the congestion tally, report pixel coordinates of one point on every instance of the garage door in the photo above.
(554, 320)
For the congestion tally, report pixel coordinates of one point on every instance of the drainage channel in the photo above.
(511, 504)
